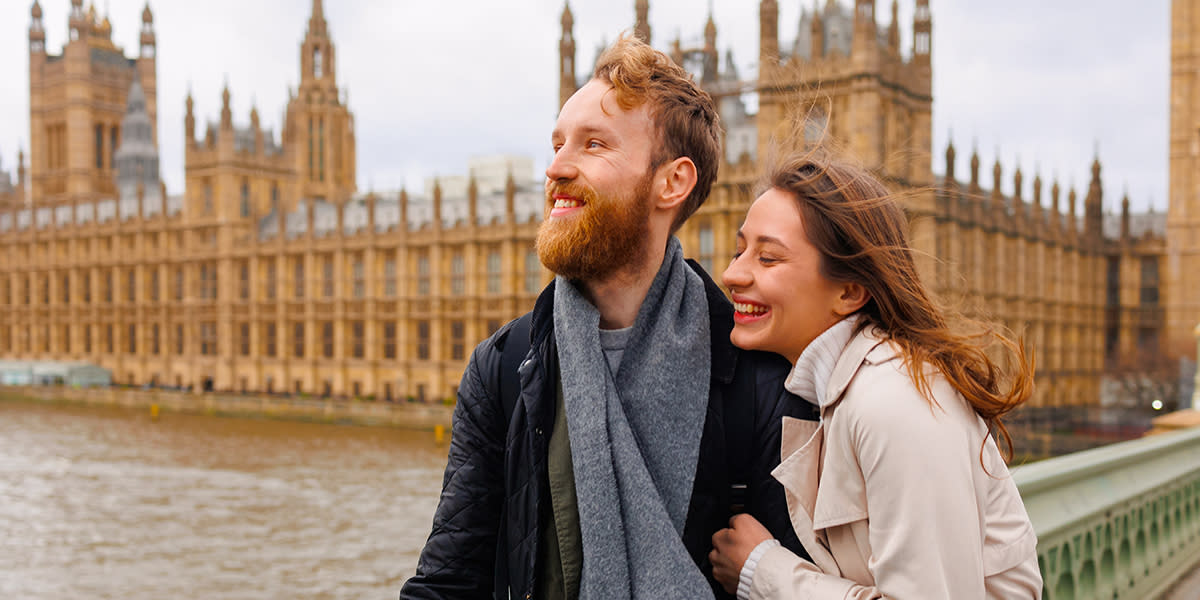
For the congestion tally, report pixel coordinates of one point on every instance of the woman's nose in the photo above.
(735, 274)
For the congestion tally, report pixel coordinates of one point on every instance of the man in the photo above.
(614, 468)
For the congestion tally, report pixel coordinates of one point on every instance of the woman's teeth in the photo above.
(749, 309)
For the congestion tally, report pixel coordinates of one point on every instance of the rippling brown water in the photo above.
(105, 503)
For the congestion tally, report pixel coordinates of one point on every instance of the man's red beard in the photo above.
(603, 236)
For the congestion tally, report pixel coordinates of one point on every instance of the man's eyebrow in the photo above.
(593, 130)
(583, 130)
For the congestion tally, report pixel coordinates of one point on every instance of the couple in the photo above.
(830, 402)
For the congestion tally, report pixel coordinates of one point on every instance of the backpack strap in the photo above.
(516, 346)
(739, 433)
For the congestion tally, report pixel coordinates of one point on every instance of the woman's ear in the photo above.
(853, 297)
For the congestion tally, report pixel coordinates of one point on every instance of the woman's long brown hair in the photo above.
(860, 230)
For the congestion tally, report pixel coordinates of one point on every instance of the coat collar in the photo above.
(720, 313)
(868, 345)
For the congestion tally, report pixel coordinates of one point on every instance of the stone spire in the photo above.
(317, 54)
(566, 56)
(37, 32)
(922, 34)
(316, 21)
(641, 28)
(147, 39)
(950, 158)
(768, 37)
(894, 28)
(226, 112)
(1093, 204)
(189, 119)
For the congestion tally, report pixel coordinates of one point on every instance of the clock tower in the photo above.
(1183, 214)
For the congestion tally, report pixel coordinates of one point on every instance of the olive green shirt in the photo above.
(561, 554)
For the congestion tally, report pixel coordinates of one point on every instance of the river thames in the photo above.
(107, 503)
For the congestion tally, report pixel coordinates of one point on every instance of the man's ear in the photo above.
(853, 297)
(678, 179)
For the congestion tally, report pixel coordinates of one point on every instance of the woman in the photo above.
(898, 491)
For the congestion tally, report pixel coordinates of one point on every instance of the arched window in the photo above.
(99, 146)
(533, 272)
(245, 198)
(318, 63)
(922, 43)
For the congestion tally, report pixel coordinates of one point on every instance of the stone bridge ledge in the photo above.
(1121, 521)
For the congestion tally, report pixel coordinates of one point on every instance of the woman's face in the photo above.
(781, 300)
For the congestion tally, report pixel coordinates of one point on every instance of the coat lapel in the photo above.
(799, 471)
(841, 496)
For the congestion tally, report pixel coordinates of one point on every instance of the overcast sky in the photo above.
(1042, 85)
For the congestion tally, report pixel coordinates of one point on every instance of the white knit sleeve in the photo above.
(746, 577)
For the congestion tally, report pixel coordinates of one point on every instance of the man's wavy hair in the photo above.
(685, 115)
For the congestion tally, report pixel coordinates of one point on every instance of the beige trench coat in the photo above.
(888, 494)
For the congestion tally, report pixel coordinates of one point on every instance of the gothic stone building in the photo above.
(1081, 285)
(272, 273)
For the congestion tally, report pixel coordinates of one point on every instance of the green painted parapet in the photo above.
(1122, 521)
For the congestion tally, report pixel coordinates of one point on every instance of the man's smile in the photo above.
(564, 205)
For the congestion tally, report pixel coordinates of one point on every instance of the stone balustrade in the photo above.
(1121, 521)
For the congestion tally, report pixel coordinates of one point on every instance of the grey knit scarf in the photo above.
(635, 440)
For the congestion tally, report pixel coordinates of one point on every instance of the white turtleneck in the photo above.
(810, 375)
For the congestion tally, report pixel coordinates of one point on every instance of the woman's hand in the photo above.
(732, 546)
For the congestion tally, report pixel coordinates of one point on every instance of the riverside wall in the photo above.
(405, 415)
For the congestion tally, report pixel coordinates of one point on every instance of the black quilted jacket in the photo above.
(485, 530)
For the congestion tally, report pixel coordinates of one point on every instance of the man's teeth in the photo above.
(749, 309)
(564, 203)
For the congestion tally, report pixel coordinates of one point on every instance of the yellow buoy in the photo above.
(153, 412)
(439, 433)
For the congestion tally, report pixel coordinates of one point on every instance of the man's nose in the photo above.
(562, 166)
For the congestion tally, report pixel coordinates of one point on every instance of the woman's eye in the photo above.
(767, 260)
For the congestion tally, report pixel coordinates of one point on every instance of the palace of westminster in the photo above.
(272, 273)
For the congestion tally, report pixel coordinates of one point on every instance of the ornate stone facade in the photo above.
(1080, 285)
(272, 273)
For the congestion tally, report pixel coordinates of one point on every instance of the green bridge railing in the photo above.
(1121, 521)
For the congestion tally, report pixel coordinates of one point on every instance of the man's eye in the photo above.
(593, 144)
